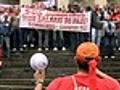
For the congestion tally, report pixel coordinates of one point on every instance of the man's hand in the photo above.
(39, 76)
(102, 74)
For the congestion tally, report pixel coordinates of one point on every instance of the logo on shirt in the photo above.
(81, 88)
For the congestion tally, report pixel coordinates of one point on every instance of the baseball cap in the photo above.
(87, 50)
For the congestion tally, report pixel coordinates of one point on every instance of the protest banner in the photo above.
(49, 20)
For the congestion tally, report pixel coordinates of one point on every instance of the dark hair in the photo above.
(55, 7)
(84, 65)
(88, 8)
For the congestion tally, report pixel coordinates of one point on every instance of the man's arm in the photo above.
(38, 87)
(102, 74)
(117, 21)
(39, 76)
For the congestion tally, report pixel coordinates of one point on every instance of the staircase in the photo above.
(17, 75)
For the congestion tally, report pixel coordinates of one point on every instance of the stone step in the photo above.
(27, 72)
(57, 60)
(54, 60)
(111, 67)
(18, 75)
(16, 87)
(30, 52)
(23, 81)
(19, 72)
(25, 57)
(19, 55)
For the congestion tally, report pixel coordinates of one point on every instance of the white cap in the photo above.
(38, 61)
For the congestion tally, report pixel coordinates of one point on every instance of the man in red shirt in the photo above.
(88, 76)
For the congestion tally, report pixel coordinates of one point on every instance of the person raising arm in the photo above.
(88, 76)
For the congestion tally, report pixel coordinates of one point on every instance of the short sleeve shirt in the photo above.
(66, 83)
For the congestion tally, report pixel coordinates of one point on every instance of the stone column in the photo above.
(100, 2)
(25, 1)
(62, 3)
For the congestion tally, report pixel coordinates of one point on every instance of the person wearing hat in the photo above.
(88, 77)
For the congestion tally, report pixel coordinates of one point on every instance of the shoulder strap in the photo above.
(75, 83)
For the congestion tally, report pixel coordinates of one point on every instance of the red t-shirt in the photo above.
(116, 18)
(66, 83)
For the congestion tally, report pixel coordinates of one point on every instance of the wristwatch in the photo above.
(39, 82)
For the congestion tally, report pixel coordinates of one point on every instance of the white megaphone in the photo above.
(38, 61)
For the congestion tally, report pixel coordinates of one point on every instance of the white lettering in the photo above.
(81, 88)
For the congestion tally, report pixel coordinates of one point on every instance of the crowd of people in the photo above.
(104, 31)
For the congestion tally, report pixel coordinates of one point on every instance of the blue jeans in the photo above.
(5, 42)
(109, 45)
(17, 38)
(25, 33)
(75, 39)
(98, 37)
(58, 39)
(118, 37)
(46, 39)
(40, 33)
(31, 37)
(43, 38)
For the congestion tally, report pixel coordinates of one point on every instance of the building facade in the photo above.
(61, 3)
(9, 1)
